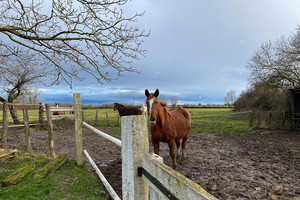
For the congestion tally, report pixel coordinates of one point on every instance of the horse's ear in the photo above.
(147, 93)
(156, 93)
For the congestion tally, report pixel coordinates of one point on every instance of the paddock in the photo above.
(260, 165)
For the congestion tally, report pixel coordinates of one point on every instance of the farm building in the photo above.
(294, 106)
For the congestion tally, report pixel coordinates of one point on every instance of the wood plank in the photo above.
(50, 132)
(78, 128)
(7, 154)
(61, 109)
(178, 185)
(50, 167)
(18, 175)
(27, 131)
(5, 125)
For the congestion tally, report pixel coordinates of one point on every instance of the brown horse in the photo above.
(57, 112)
(168, 126)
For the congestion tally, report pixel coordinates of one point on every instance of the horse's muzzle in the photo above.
(152, 121)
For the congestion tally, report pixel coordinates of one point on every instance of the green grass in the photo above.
(33, 116)
(228, 124)
(236, 124)
(68, 182)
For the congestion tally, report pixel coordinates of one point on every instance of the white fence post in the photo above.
(134, 145)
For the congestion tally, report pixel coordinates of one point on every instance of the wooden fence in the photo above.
(144, 176)
(25, 107)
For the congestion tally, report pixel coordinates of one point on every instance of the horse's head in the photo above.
(152, 105)
(116, 106)
(57, 104)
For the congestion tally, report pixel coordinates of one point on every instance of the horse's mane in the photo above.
(165, 107)
(120, 105)
(164, 104)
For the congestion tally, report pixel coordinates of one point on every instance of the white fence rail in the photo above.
(102, 134)
(61, 109)
(111, 191)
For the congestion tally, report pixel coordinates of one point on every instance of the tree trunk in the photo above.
(14, 115)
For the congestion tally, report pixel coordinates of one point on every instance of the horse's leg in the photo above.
(156, 146)
(178, 148)
(172, 153)
(183, 145)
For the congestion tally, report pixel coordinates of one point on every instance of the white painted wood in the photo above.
(55, 117)
(61, 109)
(102, 134)
(180, 186)
(134, 145)
(111, 191)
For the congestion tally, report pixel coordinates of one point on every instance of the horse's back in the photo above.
(182, 119)
(180, 112)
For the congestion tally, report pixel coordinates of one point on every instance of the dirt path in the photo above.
(262, 165)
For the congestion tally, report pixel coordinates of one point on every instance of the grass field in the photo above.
(69, 182)
(236, 124)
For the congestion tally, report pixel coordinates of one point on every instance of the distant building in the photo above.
(294, 106)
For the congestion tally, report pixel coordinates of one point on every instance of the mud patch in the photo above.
(261, 165)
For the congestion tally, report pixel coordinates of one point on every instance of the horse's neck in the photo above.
(163, 115)
(121, 108)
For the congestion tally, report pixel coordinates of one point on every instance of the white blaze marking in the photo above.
(150, 109)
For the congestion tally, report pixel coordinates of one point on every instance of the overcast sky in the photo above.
(197, 50)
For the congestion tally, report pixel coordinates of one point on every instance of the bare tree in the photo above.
(71, 37)
(163, 98)
(30, 95)
(17, 72)
(277, 63)
(174, 100)
(230, 97)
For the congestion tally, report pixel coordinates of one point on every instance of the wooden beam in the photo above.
(5, 125)
(78, 128)
(27, 131)
(50, 132)
(134, 144)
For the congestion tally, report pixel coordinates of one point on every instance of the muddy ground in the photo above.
(262, 165)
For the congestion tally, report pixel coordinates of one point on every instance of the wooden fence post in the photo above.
(118, 119)
(5, 125)
(78, 128)
(134, 144)
(107, 122)
(96, 118)
(82, 114)
(252, 117)
(50, 131)
(27, 132)
(41, 113)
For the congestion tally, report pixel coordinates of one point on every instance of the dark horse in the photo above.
(125, 111)
(168, 126)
